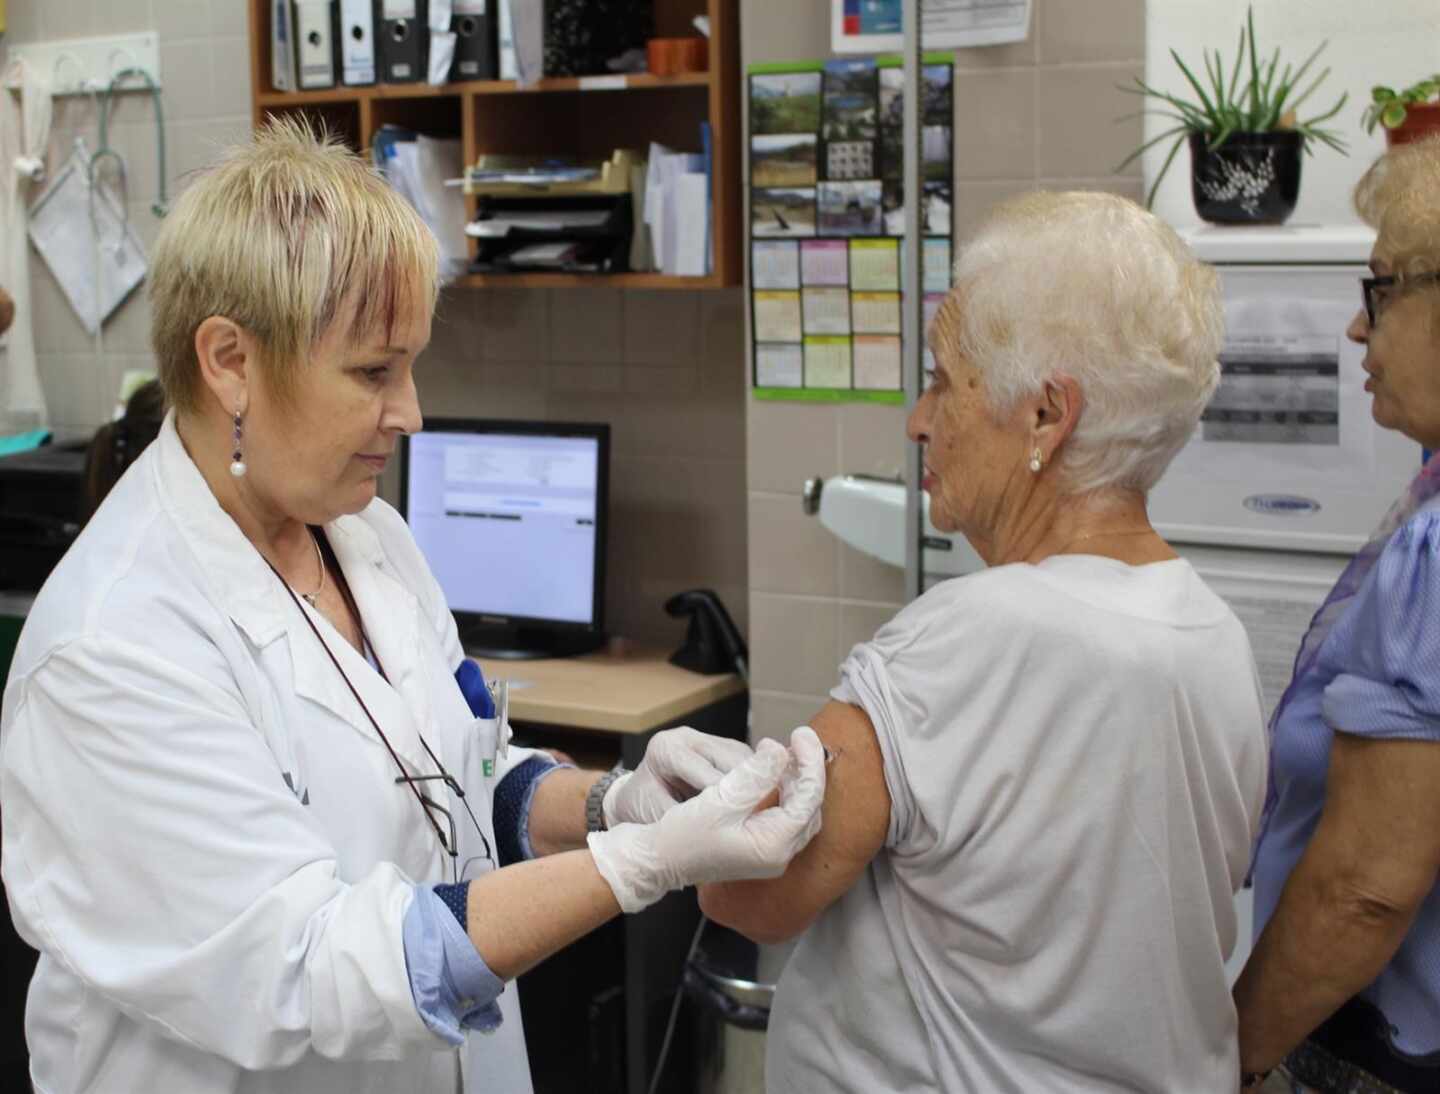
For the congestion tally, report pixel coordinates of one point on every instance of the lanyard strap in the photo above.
(350, 603)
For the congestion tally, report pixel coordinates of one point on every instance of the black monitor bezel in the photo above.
(482, 628)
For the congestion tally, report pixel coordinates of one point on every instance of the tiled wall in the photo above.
(1036, 114)
(665, 369)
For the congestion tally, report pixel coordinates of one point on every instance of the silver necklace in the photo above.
(310, 598)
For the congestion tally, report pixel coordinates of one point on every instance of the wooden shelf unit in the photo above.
(588, 116)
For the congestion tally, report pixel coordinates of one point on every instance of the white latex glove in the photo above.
(718, 836)
(678, 764)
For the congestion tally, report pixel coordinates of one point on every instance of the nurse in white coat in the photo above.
(233, 737)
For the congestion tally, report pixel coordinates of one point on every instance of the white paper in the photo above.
(443, 207)
(439, 16)
(944, 24)
(507, 41)
(442, 54)
(527, 19)
(692, 213)
(60, 228)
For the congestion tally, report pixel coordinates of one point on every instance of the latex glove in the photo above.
(678, 764)
(718, 835)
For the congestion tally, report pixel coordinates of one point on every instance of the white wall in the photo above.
(1394, 42)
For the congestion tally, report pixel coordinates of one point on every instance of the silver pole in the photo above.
(913, 317)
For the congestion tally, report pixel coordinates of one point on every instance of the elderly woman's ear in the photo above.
(7, 311)
(226, 355)
(1055, 413)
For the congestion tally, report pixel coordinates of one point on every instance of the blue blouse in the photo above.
(1377, 675)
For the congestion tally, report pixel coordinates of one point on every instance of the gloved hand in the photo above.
(718, 836)
(678, 764)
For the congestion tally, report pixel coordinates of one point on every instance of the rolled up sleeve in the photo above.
(1384, 655)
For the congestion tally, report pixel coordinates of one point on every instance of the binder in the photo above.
(282, 47)
(474, 25)
(314, 44)
(403, 40)
(357, 42)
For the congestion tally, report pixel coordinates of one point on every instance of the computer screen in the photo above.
(511, 517)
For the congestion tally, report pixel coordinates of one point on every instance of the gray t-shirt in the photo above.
(1075, 755)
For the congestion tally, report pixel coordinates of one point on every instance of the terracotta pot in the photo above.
(1420, 121)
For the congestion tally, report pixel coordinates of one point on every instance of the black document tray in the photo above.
(600, 248)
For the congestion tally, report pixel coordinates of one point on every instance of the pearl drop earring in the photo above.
(1035, 462)
(237, 462)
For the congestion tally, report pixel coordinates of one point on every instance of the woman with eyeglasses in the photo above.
(251, 814)
(1342, 991)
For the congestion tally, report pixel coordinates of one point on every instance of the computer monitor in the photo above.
(511, 517)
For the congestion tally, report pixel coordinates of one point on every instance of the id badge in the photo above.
(495, 737)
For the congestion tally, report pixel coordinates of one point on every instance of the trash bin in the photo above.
(733, 1011)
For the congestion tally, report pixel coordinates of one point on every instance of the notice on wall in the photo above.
(827, 212)
(866, 26)
(1277, 389)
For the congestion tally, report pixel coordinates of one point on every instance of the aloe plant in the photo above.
(1387, 106)
(1257, 96)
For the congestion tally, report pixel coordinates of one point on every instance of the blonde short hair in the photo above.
(1399, 196)
(284, 236)
(1091, 285)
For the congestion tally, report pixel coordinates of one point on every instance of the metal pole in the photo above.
(913, 312)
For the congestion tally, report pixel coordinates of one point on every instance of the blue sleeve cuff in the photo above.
(454, 990)
(1373, 708)
(513, 799)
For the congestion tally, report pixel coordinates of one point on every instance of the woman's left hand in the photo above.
(678, 764)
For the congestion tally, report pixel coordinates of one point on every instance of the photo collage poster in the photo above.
(827, 212)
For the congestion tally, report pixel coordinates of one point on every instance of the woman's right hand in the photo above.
(719, 835)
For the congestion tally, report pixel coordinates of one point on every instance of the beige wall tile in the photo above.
(858, 623)
(973, 200)
(647, 380)
(995, 124)
(872, 439)
(188, 79)
(784, 31)
(77, 392)
(789, 551)
(1096, 30)
(25, 22)
(178, 19)
(586, 325)
(775, 714)
(230, 58)
(585, 377)
(792, 644)
(228, 17)
(515, 324)
(1079, 136)
(56, 327)
(69, 18)
(791, 442)
(662, 328)
(1132, 188)
(864, 577)
(128, 330)
(110, 17)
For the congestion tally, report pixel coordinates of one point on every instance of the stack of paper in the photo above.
(677, 211)
(417, 166)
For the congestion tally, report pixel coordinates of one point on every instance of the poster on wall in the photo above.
(871, 26)
(827, 213)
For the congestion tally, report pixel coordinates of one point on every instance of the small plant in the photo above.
(1387, 106)
(1269, 98)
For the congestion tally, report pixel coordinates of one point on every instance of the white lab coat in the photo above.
(167, 717)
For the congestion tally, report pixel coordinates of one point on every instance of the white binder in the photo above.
(315, 45)
(282, 46)
(357, 43)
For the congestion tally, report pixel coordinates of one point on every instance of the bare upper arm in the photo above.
(1380, 828)
(854, 821)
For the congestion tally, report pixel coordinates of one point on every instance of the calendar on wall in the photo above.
(827, 212)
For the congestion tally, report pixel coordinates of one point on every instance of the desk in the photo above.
(595, 1014)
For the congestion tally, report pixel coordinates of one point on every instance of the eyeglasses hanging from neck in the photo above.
(445, 833)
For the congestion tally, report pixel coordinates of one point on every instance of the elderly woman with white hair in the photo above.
(1047, 774)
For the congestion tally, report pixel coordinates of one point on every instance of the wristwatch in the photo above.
(595, 799)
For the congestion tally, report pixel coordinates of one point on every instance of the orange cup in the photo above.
(671, 56)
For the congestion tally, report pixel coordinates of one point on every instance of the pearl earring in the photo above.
(237, 462)
(1035, 462)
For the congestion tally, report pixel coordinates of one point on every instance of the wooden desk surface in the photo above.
(623, 688)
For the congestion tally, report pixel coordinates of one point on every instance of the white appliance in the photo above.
(1287, 455)
(869, 514)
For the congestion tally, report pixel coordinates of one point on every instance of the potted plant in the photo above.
(1244, 132)
(1406, 115)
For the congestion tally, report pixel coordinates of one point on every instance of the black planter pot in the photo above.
(1253, 178)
